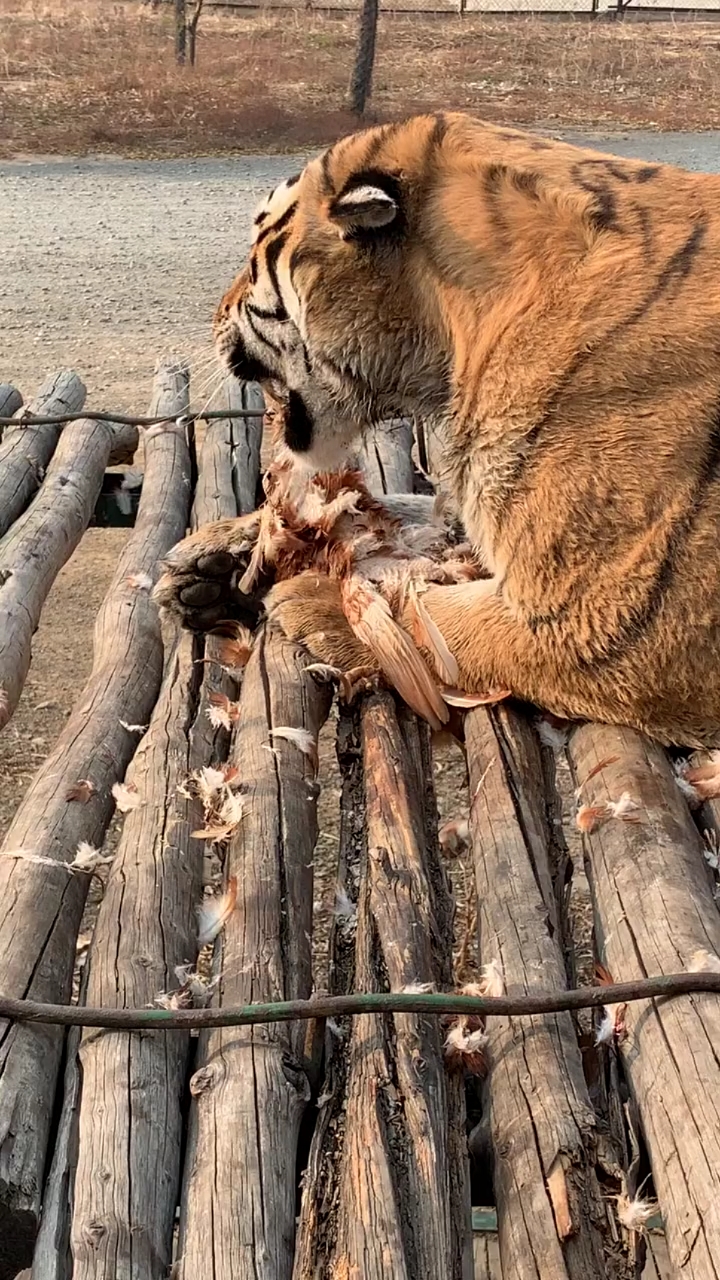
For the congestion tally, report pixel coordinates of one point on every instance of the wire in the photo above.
(123, 420)
(435, 1003)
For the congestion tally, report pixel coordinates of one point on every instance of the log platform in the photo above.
(362, 1149)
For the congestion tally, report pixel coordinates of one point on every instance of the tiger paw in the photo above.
(199, 585)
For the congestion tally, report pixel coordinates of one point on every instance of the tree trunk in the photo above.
(180, 32)
(361, 82)
(192, 27)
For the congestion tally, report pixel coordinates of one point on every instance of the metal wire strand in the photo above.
(122, 419)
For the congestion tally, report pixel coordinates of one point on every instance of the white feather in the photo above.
(126, 797)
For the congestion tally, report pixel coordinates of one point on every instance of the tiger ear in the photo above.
(364, 208)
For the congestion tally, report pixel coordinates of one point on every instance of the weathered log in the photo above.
(553, 1219)
(26, 450)
(10, 402)
(386, 1188)
(215, 499)
(251, 1089)
(122, 1224)
(52, 1259)
(385, 457)
(654, 910)
(214, 491)
(243, 439)
(124, 443)
(486, 1255)
(431, 440)
(40, 542)
(41, 903)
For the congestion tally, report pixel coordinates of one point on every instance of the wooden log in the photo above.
(10, 402)
(486, 1255)
(251, 1089)
(243, 439)
(52, 1259)
(40, 542)
(214, 491)
(552, 1217)
(41, 903)
(385, 457)
(431, 440)
(128, 1164)
(124, 443)
(26, 450)
(215, 499)
(386, 1188)
(654, 910)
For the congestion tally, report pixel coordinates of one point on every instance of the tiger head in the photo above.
(335, 314)
(374, 275)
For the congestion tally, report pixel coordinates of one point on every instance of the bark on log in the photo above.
(40, 542)
(552, 1217)
(386, 1189)
(431, 447)
(52, 1259)
(220, 469)
(25, 450)
(242, 437)
(41, 904)
(124, 443)
(486, 1253)
(654, 909)
(251, 1089)
(10, 402)
(385, 457)
(130, 1114)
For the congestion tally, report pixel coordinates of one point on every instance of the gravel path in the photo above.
(104, 264)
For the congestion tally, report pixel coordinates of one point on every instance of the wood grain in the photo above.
(41, 905)
(552, 1218)
(40, 542)
(26, 450)
(654, 909)
(130, 1107)
(251, 1089)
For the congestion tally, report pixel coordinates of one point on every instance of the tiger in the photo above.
(555, 311)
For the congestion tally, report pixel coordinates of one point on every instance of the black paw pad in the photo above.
(216, 564)
(199, 594)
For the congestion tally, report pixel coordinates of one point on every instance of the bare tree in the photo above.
(364, 57)
(180, 32)
(192, 27)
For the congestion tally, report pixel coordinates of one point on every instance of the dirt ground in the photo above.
(89, 76)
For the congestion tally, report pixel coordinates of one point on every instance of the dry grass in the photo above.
(79, 76)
